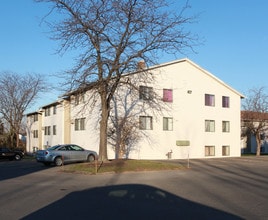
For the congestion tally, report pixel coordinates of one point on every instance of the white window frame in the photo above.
(209, 151)
(226, 126)
(209, 100)
(145, 92)
(167, 95)
(167, 123)
(225, 101)
(146, 123)
(79, 124)
(209, 125)
(225, 150)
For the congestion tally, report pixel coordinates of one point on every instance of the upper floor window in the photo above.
(35, 117)
(146, 123)
(167, 95)
(47, 111)
(54, 109)
(225, 102)
(225, 126)
(79, 124)
(146, 93)
(167, 124)
(209, 100)
(209, 125)
(76, 100)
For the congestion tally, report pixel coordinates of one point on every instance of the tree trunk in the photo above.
(103, 129)
(258, 140)
(17, 139)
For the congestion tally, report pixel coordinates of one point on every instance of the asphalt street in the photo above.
(229, 188)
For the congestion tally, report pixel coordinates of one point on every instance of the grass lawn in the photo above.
(119, 166)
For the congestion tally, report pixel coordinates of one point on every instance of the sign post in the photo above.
(185, 143)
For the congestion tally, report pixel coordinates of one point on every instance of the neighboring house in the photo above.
(202, 118)
(248, 140)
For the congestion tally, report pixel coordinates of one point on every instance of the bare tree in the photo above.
(16, 94)
(255, 115)
(123, 132)
(112, 36)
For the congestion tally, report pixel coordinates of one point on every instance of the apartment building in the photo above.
(200, 117)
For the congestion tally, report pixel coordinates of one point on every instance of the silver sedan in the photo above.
(65, 153)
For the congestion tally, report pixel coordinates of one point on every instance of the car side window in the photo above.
(76, 148)
(63, 148)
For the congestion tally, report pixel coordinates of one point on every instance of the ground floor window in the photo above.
(225, 150)
(209, 150)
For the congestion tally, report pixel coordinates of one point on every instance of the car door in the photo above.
(77, 153)
(64, 151)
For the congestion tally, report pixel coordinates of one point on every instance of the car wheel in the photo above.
(58, 161)
(17, 157)
(90, 158)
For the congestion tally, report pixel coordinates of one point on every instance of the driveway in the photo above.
(230, 188)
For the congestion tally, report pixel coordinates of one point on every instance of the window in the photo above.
(47, 130)
(35, 117)
(79, 124)
(225, 126)
(209, 100)
(146, 123)
(35, 133)
(82, 123)
(209, 125)
(209, 150)
(47, 111)
(54, 130)
(76, 100)
(225, 150)
(225, 102)
(167, 95)
(83, 100)
(167, 124)
(146, 93)
(54, 109)
(79, 98)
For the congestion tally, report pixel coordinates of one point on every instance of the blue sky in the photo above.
(235, 48)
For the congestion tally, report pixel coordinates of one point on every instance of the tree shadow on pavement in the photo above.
(130, 201)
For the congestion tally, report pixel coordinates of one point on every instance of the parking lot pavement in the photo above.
(229, 188)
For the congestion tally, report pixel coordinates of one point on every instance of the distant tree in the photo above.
(111, 37)
(16, 94)
(255, 115)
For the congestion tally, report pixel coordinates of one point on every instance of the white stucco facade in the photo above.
(187, 113)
